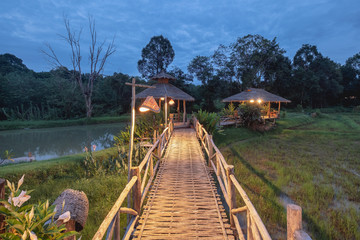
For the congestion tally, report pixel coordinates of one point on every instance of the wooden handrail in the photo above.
(229, 186)
(111, 223)
(114, 210)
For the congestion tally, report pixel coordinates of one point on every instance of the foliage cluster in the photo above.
(210, 121)
(31, 221)
(250, 114)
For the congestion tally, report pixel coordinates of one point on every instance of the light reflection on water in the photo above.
(49, 143)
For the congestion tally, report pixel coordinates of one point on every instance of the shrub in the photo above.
(208, 120)
(32, 221)
(249, 114)
(230, 110)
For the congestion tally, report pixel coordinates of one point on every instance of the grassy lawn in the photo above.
(50, 178)
(312, 162)
(9, 125)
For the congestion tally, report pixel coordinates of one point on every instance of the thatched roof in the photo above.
(165, 89)
(163, 75)
(76, 203)
(254, 94)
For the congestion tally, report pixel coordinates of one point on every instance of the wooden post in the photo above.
(131, 144)
(166, 114)
(217, 166)
(70, 226)
(294, 220)
(248, 227)
(279, 111)
(151, 165)
(269, 109)
(184, 116)
(2, 196)
(231, 193)
(211, 149)
(137, 189)
(117, 228)
(178, 110)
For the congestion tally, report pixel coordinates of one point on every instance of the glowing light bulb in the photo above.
(259, 100)
(171, 102)
(143, 109)
(251, 100)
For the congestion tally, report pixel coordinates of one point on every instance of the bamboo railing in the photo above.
(254, 228)
(142, 177)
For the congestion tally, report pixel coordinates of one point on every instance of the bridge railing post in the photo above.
(294, 223)
(231, 193)
(210, 148)
(136, 189)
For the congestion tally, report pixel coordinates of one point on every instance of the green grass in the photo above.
(312, 161)
(51, 177)
(10, 125)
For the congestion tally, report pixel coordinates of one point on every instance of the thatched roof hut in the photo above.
(164, 91)
(257, 95)
(254, 94)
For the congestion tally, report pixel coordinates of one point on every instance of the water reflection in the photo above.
(55, 142)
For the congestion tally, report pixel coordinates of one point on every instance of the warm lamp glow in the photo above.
(149, 104)
(259, 100)
(162, 99)
(143, 109)
(251, 100)
(171, 102)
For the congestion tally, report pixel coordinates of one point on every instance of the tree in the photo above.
(316, 78)
(251, 56)
(182, 79)
(156, 56)
(96, 57)
(351, 80)
(201, 68)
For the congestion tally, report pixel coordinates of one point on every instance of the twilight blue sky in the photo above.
(193, 27)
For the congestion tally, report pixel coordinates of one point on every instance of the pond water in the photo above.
(50, 143)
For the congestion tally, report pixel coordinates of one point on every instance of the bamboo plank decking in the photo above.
(183, 202)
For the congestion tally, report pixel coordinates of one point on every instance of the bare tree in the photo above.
(97, 57)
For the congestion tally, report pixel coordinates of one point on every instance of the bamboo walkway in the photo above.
(183, 202)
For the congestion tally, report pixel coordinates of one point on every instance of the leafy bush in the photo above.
(249, 114)
(208, 120)
(95, 166)
(32, 221)
(229, 111)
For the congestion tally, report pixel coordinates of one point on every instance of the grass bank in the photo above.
(51, 177)
(313, 162)
(10, 125)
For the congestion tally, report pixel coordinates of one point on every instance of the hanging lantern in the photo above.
(171, 102)
(252, 100)
(259, 100)
(149, 104)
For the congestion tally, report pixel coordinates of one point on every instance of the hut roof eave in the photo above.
(254, 94)
(165, 89)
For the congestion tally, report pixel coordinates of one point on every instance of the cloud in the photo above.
(194, 27)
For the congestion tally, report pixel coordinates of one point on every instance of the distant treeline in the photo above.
(310, 80)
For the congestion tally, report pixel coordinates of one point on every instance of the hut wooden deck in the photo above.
(183, 203)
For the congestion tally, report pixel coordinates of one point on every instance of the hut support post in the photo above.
(184, 116)
(279, 110)
(166, 114)
(178, 111)
(269, 109)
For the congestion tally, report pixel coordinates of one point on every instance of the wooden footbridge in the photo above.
(184, 189)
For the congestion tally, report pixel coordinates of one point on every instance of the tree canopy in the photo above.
(156, 56)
